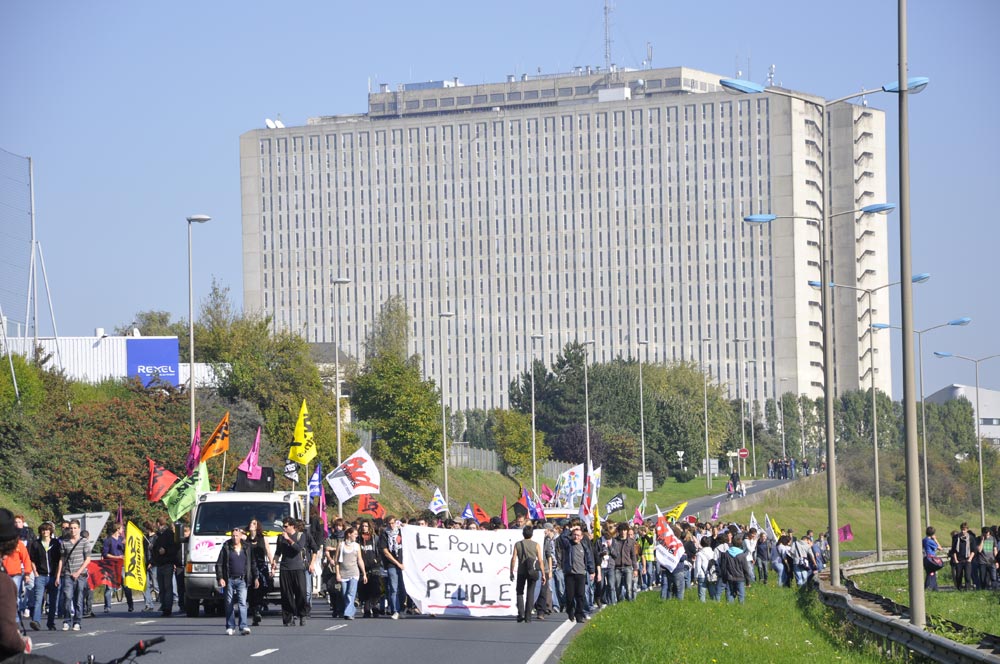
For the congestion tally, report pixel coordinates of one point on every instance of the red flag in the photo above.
(369, 505)
(104, 572)
(521, 506)
(503, 513)
(480, 513)
(219, 440)
(160, 481)
(322, 510)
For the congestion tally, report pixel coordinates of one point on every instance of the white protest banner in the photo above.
(669, 549)
(358, 474)
(461, 572)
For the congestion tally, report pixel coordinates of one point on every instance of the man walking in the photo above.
(290, 555)
(578, 567)
(236, 573)
(164, 559)
(962, 554)
(72, 575)
(114, 549)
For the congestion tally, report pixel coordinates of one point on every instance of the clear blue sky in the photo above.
(132, 113)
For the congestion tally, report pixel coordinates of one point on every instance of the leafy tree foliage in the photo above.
(511, 433)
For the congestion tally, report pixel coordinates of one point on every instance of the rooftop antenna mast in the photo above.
(770, 76)
(607, 35)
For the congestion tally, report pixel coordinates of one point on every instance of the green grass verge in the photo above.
(775, 625)
(978, 610)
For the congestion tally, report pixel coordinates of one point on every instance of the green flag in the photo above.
(182, 495)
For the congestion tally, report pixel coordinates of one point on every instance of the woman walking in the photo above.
(350, 568)
(527, 560)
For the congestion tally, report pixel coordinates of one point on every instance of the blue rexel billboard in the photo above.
(153, 358)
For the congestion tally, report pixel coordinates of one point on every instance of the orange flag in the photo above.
(369, 505)
(480, 513)
(160, 481)
(219, 441)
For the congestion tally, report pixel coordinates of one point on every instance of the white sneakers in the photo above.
(395, 616)
(76, 628)
(230, 631)
(245, 631)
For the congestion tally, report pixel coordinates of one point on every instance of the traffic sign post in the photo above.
(743, 452)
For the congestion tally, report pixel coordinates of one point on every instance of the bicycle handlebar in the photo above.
(141, 648)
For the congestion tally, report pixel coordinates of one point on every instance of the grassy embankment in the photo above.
(775, 625)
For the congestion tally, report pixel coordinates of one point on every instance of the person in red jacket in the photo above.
(11, 641)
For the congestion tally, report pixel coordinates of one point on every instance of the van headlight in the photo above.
(202, 568)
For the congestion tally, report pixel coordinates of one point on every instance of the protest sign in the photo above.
(461, 572)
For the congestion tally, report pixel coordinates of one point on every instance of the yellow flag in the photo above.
(135, 561)
(597, 521)
(777, 530)
(675, 514)
(303, 449)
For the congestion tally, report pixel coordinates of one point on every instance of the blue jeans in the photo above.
(674, 583)
(393, 587)
(559, 584)
(349, 589)
(801, 575)
(236, 588)
(652, 573)
(736, 590)
(74, 592)
(779, 568)
(45, 585)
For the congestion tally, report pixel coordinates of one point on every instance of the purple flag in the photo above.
(715, 512)
(844, 533)
(194, 454)
(251, 465)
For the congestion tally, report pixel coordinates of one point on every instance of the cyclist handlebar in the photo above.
(141, 648)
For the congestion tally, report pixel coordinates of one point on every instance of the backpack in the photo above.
(712, 571)
(728, 566)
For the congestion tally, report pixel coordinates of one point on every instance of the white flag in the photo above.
(358, 474)
(569, 486)
(437, 502)
(753, 523)
(768, 529)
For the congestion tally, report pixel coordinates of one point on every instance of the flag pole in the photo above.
(222, 479)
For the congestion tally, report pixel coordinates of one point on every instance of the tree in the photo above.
(153, 324)
(511, 432)
(389, 396)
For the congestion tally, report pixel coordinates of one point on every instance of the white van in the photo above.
(212, 520)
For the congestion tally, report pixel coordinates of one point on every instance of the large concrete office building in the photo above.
(593, 205)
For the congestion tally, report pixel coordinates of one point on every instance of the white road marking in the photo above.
(263, 653)
(334, 628)
(145, 622)
(548, 647)
(39, 646)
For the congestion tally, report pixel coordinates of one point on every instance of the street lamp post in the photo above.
(194, 219)
(442, 317)
(828, 371)
(586, 400)
(781, 414)
(337, 283)
(753, 424)
(741, 342)
(708, 458)
(829, 392)
(917, 279)
(958, 322)
(642, 423)
(979, 421)
(534, 463)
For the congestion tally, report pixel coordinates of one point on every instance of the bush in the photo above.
(682, 476)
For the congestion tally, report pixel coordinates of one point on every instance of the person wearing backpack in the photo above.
(986, 560)
(802, 560)
(706, 570)
(526, 559)
(734, 569)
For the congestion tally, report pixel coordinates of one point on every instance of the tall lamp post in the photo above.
(586, 399)
(708, 458)
(753, 423)
(193, 219)
(781, 414)
(958, 322)
(741, 344)
(642, 422)
(534, 463)
(917, 279)
(913, 542)
(442, 318)
(337, 283)
(829, 393)
(979, 421)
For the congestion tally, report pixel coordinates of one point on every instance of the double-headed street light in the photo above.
(958, 322)
(337, 283)
(708, 459)
(642, 421)
(741, 344)
(534, 462)
(913, 542)
(917, 279)
(829, 392)
(193, 219)
(442, 317)
(979, 421)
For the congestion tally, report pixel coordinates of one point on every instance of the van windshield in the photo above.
(219, 518)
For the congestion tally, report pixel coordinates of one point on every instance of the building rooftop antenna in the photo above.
(607, 35)
(770, 76)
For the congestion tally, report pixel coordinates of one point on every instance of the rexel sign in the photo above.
(150, 358)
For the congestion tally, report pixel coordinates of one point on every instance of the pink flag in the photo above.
(844, 533)
(503, 513)
(539, 509)
(546, 493)
(251, 465)
(715, 512)
(194, 454)
(322, 510)
(637, 519)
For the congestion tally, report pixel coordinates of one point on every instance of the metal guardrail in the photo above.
(896, 627)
